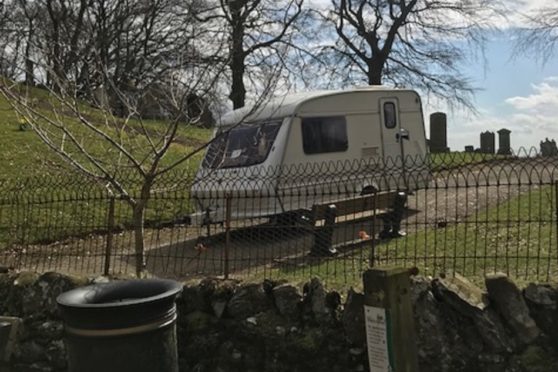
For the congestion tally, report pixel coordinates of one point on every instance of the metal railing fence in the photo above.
(463, 213)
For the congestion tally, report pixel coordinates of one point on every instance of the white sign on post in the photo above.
(377, 339)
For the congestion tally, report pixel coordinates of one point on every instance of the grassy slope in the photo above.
(49, 183)
(24, 155)
(22, 152)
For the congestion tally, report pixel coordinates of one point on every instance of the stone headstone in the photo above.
(469, 148)
(548, 148)
(487, 142)
(438, 133)
(504, 147)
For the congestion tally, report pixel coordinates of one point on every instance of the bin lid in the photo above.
(119, 304)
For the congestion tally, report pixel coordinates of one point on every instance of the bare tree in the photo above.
(97, 44)
(540, 36)
(257, 33)
(62, 28)
(125, 155)
(105, 148)
(8, 45)
(412, 43)
(30, 12)
(18, 26)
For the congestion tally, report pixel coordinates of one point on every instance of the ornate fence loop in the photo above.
(462, 213)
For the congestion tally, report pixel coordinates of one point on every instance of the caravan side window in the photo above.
(390, 118)
(326, 134)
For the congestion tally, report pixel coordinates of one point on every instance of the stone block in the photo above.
(510, 304)
(462, 295)
(9, 332)
(287, 300)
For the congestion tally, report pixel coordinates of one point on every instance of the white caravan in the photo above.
(309, 148)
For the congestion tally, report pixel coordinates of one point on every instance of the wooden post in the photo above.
(110, 231)
(227, 235)
(390, 328)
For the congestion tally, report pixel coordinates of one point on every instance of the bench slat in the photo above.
(360, 204)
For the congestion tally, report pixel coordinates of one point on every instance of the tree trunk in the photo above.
(238, 90)
(138, 220)
(237, 54)
(29, 65)
(29, 76)
(375, 70)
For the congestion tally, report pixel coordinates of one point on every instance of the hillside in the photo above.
(23, 154)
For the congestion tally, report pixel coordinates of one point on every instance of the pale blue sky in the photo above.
(520, 94)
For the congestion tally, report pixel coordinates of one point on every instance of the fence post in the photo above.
(372, 258)
(390, 328)
(110, 229)
(227, 234)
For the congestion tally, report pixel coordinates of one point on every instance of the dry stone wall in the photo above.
(275, 326)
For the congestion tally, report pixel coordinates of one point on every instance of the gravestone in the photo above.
(504, 147)
(487, 142)
(548, 148)
(438, 133)
(469, 148)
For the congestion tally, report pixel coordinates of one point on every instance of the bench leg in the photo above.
(392, 220)
(323, 236)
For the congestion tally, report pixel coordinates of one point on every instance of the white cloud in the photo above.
(544, 100)
(531, 118)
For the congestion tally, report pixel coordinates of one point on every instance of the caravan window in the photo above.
(241, 146)
(390, 118)
(327, 134)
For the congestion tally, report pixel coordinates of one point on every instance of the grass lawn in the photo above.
(449, 160)
(43, 199)
(517, 237)
(25, 155)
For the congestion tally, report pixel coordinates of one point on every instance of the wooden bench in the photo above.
(378, 202)
(326, 215)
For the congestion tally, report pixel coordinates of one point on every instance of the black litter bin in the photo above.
(121, 326)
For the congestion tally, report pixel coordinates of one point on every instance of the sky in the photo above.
(520, 94)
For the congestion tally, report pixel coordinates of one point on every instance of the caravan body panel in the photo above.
(325, 145)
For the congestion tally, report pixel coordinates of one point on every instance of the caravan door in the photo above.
(391, 130)
(393, 139)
